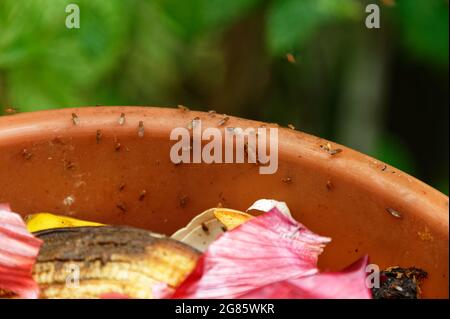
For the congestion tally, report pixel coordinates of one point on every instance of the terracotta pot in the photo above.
(47, 163)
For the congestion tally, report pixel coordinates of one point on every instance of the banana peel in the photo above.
(43, 221)
(231, 218)
(88, 262)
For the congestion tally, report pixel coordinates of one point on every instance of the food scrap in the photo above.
(221, 253)
(44, 221)
(400, 283)
(110, 259)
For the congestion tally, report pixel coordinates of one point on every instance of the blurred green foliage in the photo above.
(231, 55)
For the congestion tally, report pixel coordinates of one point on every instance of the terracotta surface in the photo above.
(49, 164)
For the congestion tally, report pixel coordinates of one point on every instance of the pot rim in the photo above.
(364, 171)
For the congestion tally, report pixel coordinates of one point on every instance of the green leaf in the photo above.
(221, 12)
(424, 25)
(190, 19)
(48, 65)
(291, 23)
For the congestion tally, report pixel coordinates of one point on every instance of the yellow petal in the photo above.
(231, 218)
(43, 221)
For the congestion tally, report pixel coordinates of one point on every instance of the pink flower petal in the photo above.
(162, 291)
(18, 252)
(347, 284)
(267, 249)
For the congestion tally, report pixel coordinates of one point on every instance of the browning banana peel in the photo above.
(109, 259)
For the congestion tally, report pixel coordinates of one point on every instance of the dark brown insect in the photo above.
(330, 150)
(142, 194)
(122, 206)
(329, 185)
(10, 110)
(292, 127)
(121, 186)
(68, 164)
(122, 119)
(75, 119)
(141, 129)
(205, 228)
(224, 120)
(26, 154)
(98, 136)
(286, 180)
(335, 151)
(117, 146)
(183, 201)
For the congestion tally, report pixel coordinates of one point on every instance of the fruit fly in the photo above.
(192, 124)
(183, 201)
(122, 119)
(330, 150)
(394, 213)
(142, 194)
(224, 120)
(98, 136)
(68, 164)
(205, 228)
(75, 119)
(122, 207)
(141, 129)
(26, 154)
(329, 185)
(10, 110)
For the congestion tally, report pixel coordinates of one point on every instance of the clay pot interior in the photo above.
(99, 170)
